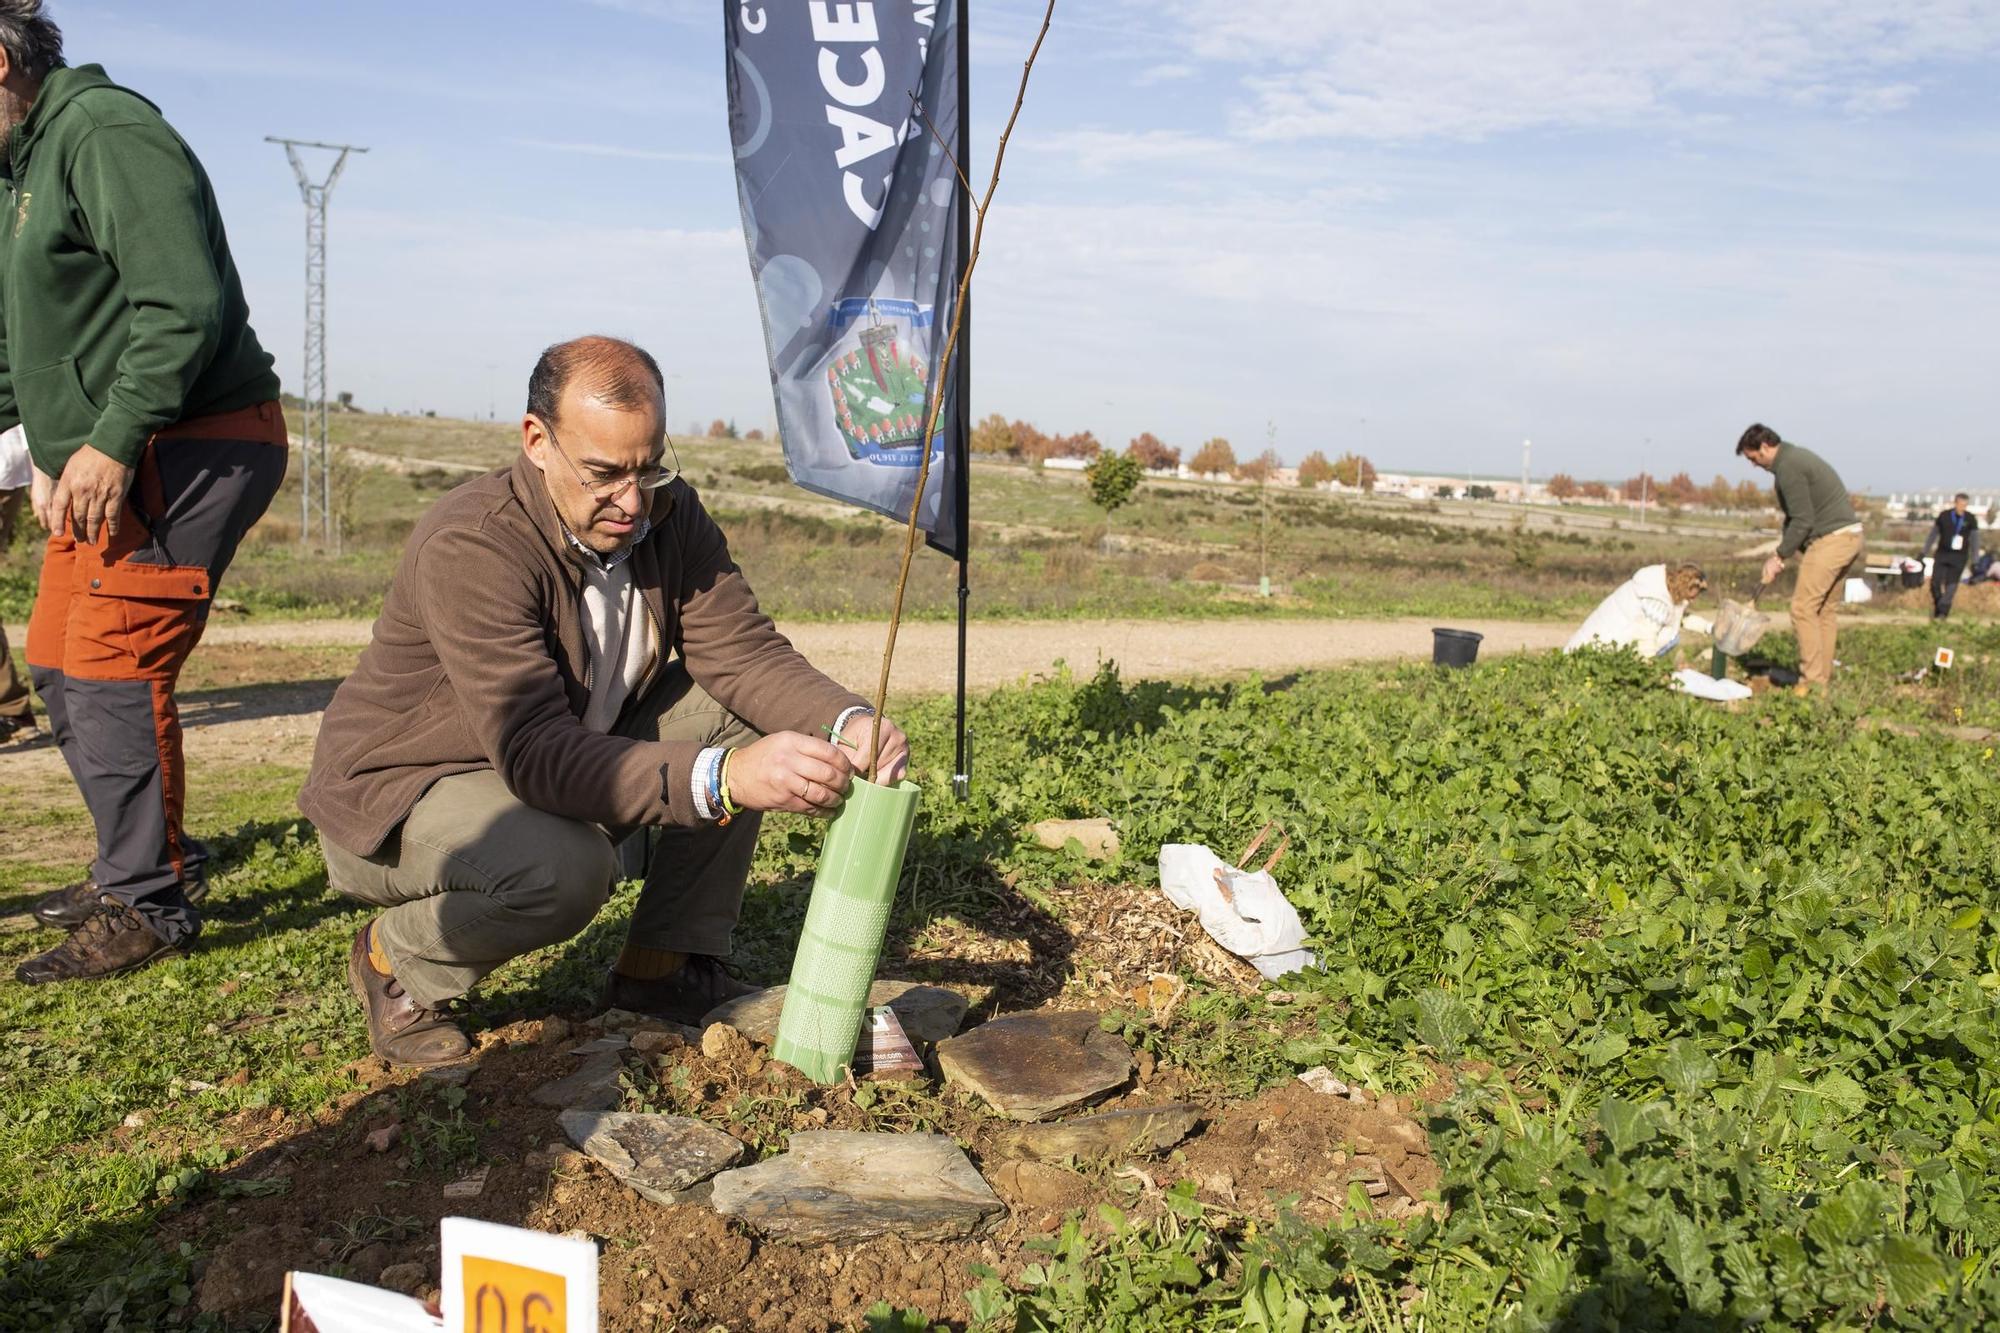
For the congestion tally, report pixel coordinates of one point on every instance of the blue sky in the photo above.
(1425, 230)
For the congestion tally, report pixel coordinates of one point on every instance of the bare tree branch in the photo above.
(943, 378)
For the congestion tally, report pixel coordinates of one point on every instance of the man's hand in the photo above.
(1773, 567)
(787, 770)
(89, 498)
(860, 733)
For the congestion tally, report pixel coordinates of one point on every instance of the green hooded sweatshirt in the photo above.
(120, 309)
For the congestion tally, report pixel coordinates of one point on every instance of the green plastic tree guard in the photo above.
(845, 923)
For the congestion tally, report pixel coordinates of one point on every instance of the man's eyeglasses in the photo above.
(604, 488)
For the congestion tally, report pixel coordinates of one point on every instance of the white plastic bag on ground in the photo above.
(1704, 686)
(1857, 590)
(1242, 910)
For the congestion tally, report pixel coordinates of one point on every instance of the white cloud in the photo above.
(1453, 70)
(1168, 73)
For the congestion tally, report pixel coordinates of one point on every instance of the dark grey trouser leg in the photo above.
(49, 684)
(694, 886)
(122, 653)
(1944, 587)
(106, 734)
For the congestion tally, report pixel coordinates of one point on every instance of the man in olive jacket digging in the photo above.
(1822, 530)
(567, 653)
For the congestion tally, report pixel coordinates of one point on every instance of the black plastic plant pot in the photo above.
(1454, 647)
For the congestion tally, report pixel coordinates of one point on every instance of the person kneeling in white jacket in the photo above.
(1645, 612)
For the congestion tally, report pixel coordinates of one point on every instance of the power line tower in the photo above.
(313, 386)
(1527, 448)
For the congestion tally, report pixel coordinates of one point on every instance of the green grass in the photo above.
(1041, 549)
(1717, 987)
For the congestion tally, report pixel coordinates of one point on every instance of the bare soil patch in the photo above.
(342, 1207)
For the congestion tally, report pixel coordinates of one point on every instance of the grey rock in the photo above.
(470, 1186)
(406, 1278)
(1029, 1066)
(593, 1087)
(661, 1156)
(927, 1013)
(601, 1044)
(654, 1043)
(1139, 1130)
(1320, 1079)
(449, 1076)
(838, 1185)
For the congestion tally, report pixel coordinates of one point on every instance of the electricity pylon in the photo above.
(313, 387)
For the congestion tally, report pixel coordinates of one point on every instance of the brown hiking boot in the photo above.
(400, 1030)
(112, 939)
(67, 907)
(683, 996)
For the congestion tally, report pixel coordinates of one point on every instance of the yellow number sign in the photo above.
(507, 1298)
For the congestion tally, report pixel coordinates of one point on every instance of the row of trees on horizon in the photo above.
(1022, 442)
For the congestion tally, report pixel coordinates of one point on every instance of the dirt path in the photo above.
(999, 652)
(261, 724)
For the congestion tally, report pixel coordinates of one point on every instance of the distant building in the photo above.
(1925, 504)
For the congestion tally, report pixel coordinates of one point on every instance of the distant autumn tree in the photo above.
(1749, 495)
(1083, 444)
(1261, 468)
(718, 429)
(754, 433)
(1643, 486)
(994, 435)
(1563, 486)
(1595, 490)
(1315, 470)
(1151, 454)
(1214, 457)
(1352, 470)
(1680, 490)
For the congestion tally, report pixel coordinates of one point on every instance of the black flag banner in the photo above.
(851, 210)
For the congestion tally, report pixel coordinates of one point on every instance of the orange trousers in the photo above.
(112, 625)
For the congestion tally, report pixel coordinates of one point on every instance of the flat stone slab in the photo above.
(927, 1013)
(1029, 1066)
(1139, 1130)
(839, 1185)
(660, 1156)
(593, 1087)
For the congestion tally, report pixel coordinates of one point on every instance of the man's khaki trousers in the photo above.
(1822, 573)
(474, 877)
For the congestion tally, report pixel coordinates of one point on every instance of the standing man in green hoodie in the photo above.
(1822, 529)
(157, 439)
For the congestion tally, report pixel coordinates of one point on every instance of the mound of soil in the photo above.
(342, 1207)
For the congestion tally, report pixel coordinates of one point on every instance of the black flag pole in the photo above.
(961, 782)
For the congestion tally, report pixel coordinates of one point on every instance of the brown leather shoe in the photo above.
(112, 939)
(67, 907)
(684, 996)
(400, 1030)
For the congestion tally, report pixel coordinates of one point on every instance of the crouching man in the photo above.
(567, 653)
